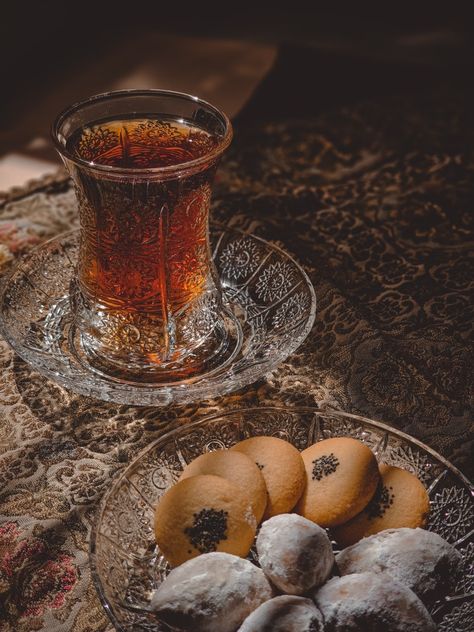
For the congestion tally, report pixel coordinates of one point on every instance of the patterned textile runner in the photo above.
(377, 203)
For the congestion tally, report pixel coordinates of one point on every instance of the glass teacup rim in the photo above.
(190, 165)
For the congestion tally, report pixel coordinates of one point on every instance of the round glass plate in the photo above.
(127, 565)
(269, 294)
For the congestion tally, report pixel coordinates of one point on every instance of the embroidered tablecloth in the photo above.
(376, 202)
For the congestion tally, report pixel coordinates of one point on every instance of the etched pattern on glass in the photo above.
(414, 461)
(269, 310)
(275, 281)
(465, 584)
(292, 310)
(240, 258)
(127, 565)
(452, 513)
(460, 619)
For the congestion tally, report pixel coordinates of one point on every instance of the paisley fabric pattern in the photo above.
(376, 202)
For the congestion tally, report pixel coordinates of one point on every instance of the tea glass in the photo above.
(146, 298)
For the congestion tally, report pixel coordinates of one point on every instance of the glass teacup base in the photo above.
(138, 347)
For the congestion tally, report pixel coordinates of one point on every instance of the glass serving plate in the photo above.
(127, 565)
(269, 294)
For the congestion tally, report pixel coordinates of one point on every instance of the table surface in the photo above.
(376, 202)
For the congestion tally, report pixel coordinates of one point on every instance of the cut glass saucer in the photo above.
(268, 293)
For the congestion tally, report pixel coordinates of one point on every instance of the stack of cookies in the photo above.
(207, 522)
(222, 496)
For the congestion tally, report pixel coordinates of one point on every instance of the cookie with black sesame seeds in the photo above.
(203, 514)
(237, 468)
(282, 469)
(341, 478)
(400, 500)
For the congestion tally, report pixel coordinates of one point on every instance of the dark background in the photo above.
(333, 52)
(257, 61)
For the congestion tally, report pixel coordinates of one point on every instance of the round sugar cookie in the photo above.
(237, 468)
(341, 478)
(282, 469)
(400, 500)
(203, 514)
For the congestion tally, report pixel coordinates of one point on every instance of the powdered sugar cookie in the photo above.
(294, 553)
(214, 592)
(419, 559)
(366, 601)
(286, 613)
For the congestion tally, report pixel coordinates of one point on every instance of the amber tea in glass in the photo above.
(146, 298)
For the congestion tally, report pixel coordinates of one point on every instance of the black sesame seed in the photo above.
(382, 500)
(209, 528)
(324, 465)
(314, 625)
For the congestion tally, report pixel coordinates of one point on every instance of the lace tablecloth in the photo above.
(376, 202)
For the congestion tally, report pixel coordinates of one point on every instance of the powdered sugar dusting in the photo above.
(369, 601)
(419, 559)
(211, 593)
(294, 553)
(285, 614)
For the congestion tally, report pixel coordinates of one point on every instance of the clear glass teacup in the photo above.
(146, 298)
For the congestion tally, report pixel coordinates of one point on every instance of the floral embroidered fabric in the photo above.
(376, 203)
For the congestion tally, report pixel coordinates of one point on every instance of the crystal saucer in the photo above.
(127, 565)
(268, 294)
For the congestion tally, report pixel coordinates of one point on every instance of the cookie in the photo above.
(203, 514)
(294, 553)
(237, 468)
(284, 614)
(341, 478)
(214, 592)
(366, 601)
(400, 500)
(416, 558)
(282, 468)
